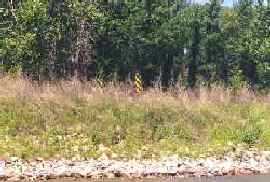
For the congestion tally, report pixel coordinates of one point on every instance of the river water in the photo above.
(213, 179)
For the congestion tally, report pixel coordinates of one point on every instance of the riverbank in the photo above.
(71, 119)
(232, 164)
(76, 120)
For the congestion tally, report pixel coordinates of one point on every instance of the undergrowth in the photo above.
(72, 119)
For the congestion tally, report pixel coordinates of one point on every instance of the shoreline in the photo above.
(249, 163)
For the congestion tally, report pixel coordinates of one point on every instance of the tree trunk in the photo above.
(167, 71)
(192, 65)
(223, 75)
(249, 69)
(82, 50)
(51, 58)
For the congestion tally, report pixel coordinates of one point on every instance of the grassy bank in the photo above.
(74, 119)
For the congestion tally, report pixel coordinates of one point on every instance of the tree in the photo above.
(167, 41)
(216, 66)
(242, 41)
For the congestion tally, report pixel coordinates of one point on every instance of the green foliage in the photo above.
(166, 41)
(251, 136)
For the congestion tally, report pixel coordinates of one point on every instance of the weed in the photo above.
(49, 121)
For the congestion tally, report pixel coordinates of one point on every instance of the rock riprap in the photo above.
(248, 163)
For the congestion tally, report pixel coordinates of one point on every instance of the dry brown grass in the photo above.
(64, 91)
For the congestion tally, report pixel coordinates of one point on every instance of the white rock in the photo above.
(14, 159)
(2, 168)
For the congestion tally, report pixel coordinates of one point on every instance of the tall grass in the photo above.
(85, 120)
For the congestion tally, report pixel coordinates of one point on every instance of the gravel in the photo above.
(247, 163)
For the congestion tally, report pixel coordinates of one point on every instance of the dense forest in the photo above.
(166, 41)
